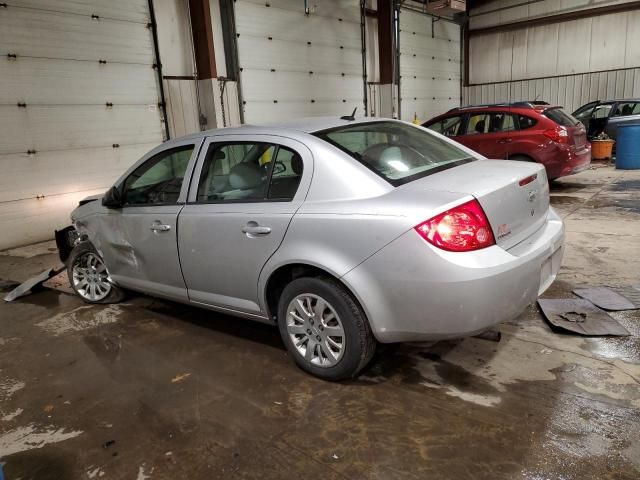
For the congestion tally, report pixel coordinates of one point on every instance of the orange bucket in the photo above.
(601, 149)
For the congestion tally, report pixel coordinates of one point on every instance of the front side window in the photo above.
(602, 110)
(158, 180)
(248, 171)
(398, 152)
(449, 127)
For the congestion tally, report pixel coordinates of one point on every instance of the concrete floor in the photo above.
(154, 390)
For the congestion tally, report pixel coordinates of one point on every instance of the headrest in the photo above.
(245, 176)
(296, 164)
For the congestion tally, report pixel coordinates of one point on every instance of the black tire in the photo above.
(115, 294)
(521, 158)
(359, 343)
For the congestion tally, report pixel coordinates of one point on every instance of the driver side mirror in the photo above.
(113, 198)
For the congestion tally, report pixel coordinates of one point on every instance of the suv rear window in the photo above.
(560, 117)
(398, 152)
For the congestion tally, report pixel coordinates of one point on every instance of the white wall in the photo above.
(607, 42)
(500, 12)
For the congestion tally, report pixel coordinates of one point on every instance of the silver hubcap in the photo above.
(315, 330)
(90, 277)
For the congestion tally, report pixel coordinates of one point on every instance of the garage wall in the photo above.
(78, 104)
(570, 91)
(292, 64)
(430, 66)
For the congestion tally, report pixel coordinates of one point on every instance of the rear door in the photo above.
(243, 196)
(489, 133)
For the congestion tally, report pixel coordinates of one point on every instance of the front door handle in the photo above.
(159, 227)
(252, 229)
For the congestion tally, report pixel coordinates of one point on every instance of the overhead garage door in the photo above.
(78, 105)
(295, 65)
(430, 76)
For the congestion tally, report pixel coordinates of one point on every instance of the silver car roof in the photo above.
(291, 128)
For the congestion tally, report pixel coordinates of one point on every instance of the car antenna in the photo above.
(351, 117)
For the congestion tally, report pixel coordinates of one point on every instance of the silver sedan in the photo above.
(343, 233)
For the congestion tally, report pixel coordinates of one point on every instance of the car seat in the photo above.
(245, 181)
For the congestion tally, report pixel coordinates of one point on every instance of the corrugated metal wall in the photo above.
(500, 12)
(569, 91)
(606, 42)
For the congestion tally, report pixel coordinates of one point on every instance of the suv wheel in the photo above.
(324, 329)
(89, 278)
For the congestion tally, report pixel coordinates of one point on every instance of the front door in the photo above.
(139, 241)
(243, 197)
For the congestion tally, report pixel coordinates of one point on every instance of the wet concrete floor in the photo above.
(153, 390)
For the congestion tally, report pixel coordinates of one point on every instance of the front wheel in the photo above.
(324, 329)
(89, 278)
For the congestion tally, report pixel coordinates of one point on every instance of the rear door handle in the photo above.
(160, 227)
(505, 140)
(252, 229)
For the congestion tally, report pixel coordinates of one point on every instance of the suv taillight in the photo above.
(558, 135)
(461, 229)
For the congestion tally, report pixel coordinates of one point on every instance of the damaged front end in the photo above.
(66, 240)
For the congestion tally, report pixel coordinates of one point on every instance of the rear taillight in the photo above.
(558, 135)
(461, 229)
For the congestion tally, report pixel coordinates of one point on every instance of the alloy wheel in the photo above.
(315, 330)
(90, 277)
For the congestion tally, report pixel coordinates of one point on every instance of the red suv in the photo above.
(520, 131)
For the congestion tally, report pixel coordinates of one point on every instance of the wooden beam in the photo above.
(202, 33)
(385, 40)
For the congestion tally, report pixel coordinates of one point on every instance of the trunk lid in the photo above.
(513, 195)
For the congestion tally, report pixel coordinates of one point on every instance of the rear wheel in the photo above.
(89, 278)
(521, 158)
(324, 329)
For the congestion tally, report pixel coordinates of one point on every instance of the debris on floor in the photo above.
(180, 377)
(580, 316)
(27, 287)
(609, 299)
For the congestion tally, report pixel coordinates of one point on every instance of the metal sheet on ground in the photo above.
(580, 316)
(33, 283)
(609, 299)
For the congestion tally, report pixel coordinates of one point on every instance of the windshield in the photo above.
(398, 152)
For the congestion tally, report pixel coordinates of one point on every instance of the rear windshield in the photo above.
(561, 117)
(398, 152)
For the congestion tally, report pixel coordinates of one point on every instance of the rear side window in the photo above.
(494, 122)
(395, 151)
(525, 122)
(249, 172)
(627, 108)
(560, 117)
(449, 127)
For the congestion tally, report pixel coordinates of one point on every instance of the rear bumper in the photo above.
(412, 291)
(563, 160)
